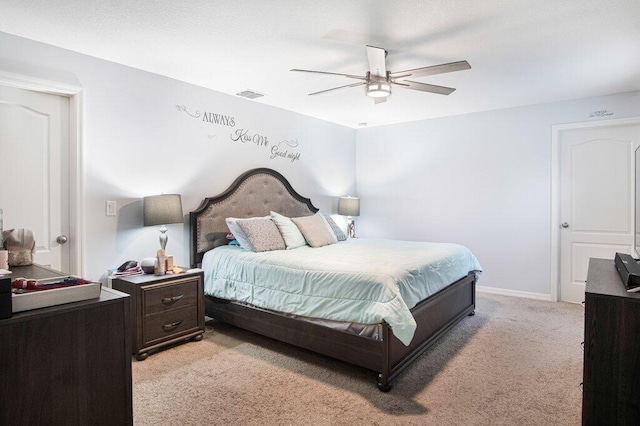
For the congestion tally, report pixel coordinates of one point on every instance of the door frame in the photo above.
(556, 130)
(76, 175)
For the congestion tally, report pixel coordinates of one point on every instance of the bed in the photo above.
(368, 343)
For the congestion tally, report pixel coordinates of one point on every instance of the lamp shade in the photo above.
(162, 209)
(349, 206)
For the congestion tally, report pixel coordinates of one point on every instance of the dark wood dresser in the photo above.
(611, 381)
(67, 364)
(166, 309)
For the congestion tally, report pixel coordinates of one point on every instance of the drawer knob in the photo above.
(168, 327)
(170, 300)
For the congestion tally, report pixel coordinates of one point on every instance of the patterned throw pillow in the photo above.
(238, 233)
(262, 233)
(316, 230)
(340, 235)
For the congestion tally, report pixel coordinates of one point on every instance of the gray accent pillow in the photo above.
(316, 230)
(340, 235)
(263, 234)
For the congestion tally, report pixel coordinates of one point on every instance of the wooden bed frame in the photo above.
(256, 193)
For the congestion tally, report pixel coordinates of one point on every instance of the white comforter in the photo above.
(358, 280)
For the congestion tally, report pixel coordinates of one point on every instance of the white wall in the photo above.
(137, 142)
(482, 180)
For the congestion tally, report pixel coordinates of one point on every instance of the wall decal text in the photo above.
(184, 109)
(600, 113)
(243, 135)
(277, 152)
(223, 120)
(285, 149)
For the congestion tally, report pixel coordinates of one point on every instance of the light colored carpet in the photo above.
(516, 362)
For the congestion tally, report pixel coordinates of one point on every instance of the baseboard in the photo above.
(514, 293)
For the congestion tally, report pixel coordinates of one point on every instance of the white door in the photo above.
(34, 170)
(596, 199)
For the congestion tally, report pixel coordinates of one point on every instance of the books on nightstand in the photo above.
(116, 273)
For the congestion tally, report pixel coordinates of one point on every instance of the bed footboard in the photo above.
(434, 317)
(388, 357)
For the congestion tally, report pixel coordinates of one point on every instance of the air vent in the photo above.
(250, 94)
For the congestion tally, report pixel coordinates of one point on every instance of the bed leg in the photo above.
(384, 388)
(472, 313)
(383, 384)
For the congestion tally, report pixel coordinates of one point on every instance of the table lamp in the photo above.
(349, 206)
(163, 210)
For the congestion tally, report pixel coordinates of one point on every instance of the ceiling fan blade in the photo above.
(435, 69)
(423, 87)
(377, 61)
(379, 100)
(359, 77)
(337, 88)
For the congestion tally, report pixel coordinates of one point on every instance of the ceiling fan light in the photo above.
(378, 89)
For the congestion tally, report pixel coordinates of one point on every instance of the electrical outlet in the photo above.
(111, 208)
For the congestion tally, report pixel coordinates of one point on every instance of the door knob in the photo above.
(62, 239)
(565, 225)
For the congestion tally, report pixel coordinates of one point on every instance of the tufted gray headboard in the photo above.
(254, 193)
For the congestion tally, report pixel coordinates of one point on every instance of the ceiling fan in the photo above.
(378, 80)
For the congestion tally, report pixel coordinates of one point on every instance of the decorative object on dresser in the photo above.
(4, 261)
(21, 246)
(33, 294)
(611, 381)
(67, 364)
(162, 210)
(166, 309)
(255, 194)
(349, 206)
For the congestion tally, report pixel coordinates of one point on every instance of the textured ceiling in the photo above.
(521, 51)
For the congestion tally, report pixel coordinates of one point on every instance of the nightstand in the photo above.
(166, 309)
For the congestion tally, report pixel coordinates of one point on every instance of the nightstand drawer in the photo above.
(171, 296)
(168, 324)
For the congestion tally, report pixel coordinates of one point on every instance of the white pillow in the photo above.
(238, 233)
(290, 233)
(316, 230)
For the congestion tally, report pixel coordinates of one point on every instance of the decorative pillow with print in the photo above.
(263, 234)
(238, 233)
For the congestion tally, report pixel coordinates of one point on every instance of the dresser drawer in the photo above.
(175, 295)
(166, 325)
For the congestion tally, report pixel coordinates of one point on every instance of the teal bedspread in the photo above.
(358, 280)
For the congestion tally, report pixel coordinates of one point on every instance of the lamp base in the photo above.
(163, 237)
(351, 228)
